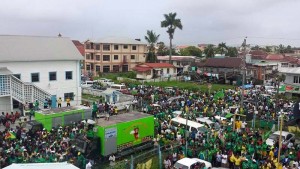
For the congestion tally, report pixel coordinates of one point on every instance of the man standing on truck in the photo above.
(59, 102)
(94, 111)
(68, 100)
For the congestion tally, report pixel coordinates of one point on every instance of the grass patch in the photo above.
(90, 97)
(190, 85)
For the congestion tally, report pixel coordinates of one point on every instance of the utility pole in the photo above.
(280, 138)
(243, 70)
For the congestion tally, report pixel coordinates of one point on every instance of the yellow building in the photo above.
(113, 55)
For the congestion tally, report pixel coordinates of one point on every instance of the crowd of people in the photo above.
(20, 145)
(239, 147)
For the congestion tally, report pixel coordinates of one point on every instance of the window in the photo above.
(296, 79)
(134, 47)
(17, 76)
(116, 68)
(52, 76)
(69, 75)
(97, 46)
(88, 56)
(87, 46)
(88, 67)
(124, 68)
(92, 45)
(168, 71)
(106, 47)
(116, 47)
(284, 65)
(106, 69)
(92, 56)
(116, 57)
(125, 46)
(132, 57)
(35, 77)
(106, 58)
(97, 68)
(98, 57)
(69, 95)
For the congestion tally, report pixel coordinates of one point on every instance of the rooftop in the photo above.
(41, 166)
(175, 58)
(119, 40)
(121, 118)
(60, 109)
(5, 71)
(275, 57)
(230, 62)
(19, 48)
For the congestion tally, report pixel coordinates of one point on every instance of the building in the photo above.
(35, 68)
(113, 55)
(154, 70)
(227, 69)
(181, 63)
(292, 81)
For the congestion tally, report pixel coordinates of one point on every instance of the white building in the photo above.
(43, 67)
(292, 80)
(154, 70)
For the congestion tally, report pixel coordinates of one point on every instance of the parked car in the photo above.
(191, 163)
(286, 138)
(105, 82)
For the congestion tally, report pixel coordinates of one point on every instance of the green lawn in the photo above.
(190, 85)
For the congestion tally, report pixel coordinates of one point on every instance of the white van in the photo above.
(191, 163)
(191, 125)
(87, 84)
(105, 82)
(118, 87)
(205, 121)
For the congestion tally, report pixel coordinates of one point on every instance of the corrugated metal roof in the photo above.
(14, 48)
(230, 62)
(42, 166)
(119, 40)
(290, 70)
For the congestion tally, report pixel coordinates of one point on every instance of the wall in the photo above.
(5, 104)
(58, 87)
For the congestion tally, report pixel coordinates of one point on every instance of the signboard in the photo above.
(110, 132)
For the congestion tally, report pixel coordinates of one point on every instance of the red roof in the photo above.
(148, 66)
(275, 57)
(159, 65)
(79, 46)
(258, 54)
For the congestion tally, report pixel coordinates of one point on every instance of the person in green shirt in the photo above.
(254, 164)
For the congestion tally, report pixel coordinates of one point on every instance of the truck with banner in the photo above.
(121, 135)
(53, 118)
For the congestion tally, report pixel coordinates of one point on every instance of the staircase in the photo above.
(21, 91)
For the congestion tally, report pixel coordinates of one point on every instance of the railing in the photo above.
(27, 92)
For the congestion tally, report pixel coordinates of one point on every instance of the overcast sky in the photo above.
(264, 22)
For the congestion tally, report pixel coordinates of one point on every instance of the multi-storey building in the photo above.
(38, 68)
(113, 55)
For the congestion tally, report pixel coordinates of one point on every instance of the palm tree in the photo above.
(171, 23)
(209, 51)
(152, 39)
(222, 47)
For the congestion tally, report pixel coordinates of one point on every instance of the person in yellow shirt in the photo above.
(271, 154)
(237, 162)
(231, 161)
(59, 102)
(238, 125)
(68, 100)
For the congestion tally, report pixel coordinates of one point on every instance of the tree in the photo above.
(268, 49)
(162, 50)
(222, 47)
(191, 51)
(232, 52)
(171, 23)
(256, 47)
(152, 39)
(209, 51)
(281, 48)
(288, 49)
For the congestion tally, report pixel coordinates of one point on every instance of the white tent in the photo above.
(41, 166)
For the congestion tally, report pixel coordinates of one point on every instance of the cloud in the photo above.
(204, 21)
